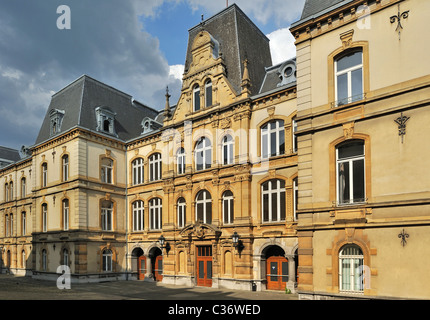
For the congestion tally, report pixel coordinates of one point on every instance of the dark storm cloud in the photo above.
(106, 41)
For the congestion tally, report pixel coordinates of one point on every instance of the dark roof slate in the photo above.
(79, 101)
(313, 8)
(9, 154)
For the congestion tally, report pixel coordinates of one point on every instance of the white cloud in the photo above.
(282, 45)
(177, 71)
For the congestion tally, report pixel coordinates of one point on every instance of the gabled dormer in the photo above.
(149, 125)
(55, 121)
(105, 121)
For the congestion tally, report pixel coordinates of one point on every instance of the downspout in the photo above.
(126, 215)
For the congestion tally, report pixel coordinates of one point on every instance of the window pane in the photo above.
(343, 182)
(273, 148)
(201, 269)
(357, 84)
(274, 271)
(346, 275)
(358, 180)
(274, 216)
(284, 271)
(196, 99)
(342, 89)
(281, 140)
(209, 212)
(352, 149)
(282, 206)
(265, 145)
(349, 61)
(265, 207)
(208, 95)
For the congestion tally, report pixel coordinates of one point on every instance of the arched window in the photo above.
(107, 260)
(107, 215)
(137, 167)
(351, 269)
(180, 160)
(6, 192)
(204, 207)
(203, 154)
(273, 139)
(155, 167)
(181, 209)
(196, 98)
(138, 214)
(228, 207)
(44, 217)
(11, 191)
(44, 174)
(349, 77)
(208, 93)
(106, 170)
(350, 172)
(66, 212)
(227, 150)
(65, 161)
(7, 225)
(23, 223)
(155, 213)
(273, 200)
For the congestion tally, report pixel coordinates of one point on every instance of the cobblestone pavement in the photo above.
(26, 288)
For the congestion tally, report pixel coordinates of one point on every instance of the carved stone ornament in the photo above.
(348, 130)
(346, 39)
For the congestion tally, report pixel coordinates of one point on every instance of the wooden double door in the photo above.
(277, 273)
(156, 264)
(204, 266)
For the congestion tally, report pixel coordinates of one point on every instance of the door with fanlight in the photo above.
(277, 273)
(204, 266)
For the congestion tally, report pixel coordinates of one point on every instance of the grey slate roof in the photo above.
(274, 78)
(79, 101)
(314, 8)
(239, 38)
(8, 156)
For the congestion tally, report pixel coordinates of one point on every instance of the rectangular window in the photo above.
(349, 78)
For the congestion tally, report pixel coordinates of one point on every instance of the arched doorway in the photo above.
(276, 268)
(156, 263)
(138, 263)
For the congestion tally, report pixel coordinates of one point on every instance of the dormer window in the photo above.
(149, 125)
(55, 121)
(105, 121)
(287, 73)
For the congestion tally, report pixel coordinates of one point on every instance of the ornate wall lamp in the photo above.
(163, 243)
(237, 243)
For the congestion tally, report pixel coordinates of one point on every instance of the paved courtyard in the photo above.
(25, 288)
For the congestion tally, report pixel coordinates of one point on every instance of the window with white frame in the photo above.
(294, 135)
(155, 213)
(107, 260)
(295, 196)
(349, 78)
(155, 167)
(23, 223)
(65, 161)
(66, 212)
(44, 174)
(44, 217)
(137, 171)
(65, 257)
(138, 215)
(273, 200)
(350, 172)
(351, 269)
(204, 207)
(180, 160)
(196, 98)
(227, 150)
(203, 154)
(23, 187)
(273, 139)
(181, 210)
(208, 93)
(228, 207)
(106, 173)
(107, 215)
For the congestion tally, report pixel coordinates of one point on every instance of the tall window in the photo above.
(23, 223)
(351, 269)
(65, 167)
(155, 167)
(138, 214)
(7, 226)
(273, 204)
(11, 224)
(155, 213)
(204, 207)
(137, 167)
(228, 207)
(349, 78)
(23, 259)
(44, 217)
(23, 187)
(107, 215)
(107, 260)
(196, 98)
(227, 150)
(65, 257)
(181, 208)
(44, 260)
(294, 135)
(208, 93)
(180, 160)
(203, 154)
(66, 214)
(6, 192)
(295, 196)
(273, 139)
(350, 172)
(106, 170)
(44, 174)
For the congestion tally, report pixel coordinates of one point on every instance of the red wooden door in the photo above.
(204, 266)
(277, 273)
(158, 268)
(141, 267)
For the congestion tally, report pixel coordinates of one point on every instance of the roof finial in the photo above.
(246, 81)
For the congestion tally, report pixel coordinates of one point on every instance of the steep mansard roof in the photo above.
(313, 8)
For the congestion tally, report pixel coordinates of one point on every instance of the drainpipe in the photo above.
(126, 215)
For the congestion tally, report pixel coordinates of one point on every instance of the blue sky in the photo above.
(137, 46)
